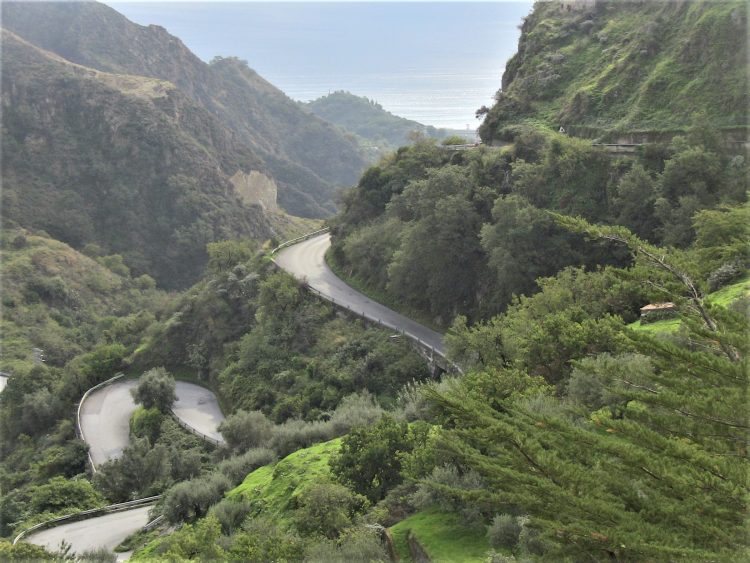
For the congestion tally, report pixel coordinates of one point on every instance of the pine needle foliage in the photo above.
(663, 478)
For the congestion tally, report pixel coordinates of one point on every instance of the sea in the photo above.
(433, 62)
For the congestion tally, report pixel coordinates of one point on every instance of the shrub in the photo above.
(236, 468)
(724, 275)
(244, 430)
(294, 435)
(504, 531)
(327, 509)
(146, 423)
(231, 513)
(359, 544)
(357, 409)
(189, 500)
(446, 487)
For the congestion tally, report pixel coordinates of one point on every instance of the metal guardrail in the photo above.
(86, 514)
(299, 239)
(195, 431)
(79, 428)
(380, 322)
(422, 345)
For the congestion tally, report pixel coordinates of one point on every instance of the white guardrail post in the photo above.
(119, 507)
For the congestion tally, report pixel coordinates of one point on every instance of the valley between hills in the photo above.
(240, 327)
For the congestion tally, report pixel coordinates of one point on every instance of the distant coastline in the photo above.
(435, 63)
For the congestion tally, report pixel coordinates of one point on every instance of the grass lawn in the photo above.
(724, 297)
(443, 535)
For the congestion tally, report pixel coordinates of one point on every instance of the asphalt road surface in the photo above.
(105, 420)
(105, 416)
(103, 531)
(306, 261)
(197, 407)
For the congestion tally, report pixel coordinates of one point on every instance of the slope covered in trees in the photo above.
(604, 68)
(307, 157)
(123, 162)
(567, 435)
(448, 233)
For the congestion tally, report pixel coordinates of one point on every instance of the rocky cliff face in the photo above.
(307, 157)
(127, 163)
(606, 67)
(255, 188)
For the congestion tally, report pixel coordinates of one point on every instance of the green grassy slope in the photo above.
(724, 297)
(444, 537)
(273, 489)
(624, 66)
(64, 302)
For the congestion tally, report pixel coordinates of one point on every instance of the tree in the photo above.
(225, 254)
(156, 389)
(369, 459)
(634, 202)
(664, 478)
(327, 509)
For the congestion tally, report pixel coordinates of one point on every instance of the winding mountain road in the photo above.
(105, 414)
(106, 531)
(306, 262)
(105, 426)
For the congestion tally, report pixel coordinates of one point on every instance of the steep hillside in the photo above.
(369, 120)
(72, 298)
(602, 66)
(124, 162)
(307, 157)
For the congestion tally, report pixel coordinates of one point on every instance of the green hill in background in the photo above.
(378, 127)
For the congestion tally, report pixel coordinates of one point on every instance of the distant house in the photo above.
(658, 311)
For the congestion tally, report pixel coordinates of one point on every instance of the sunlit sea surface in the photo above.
(435, 63)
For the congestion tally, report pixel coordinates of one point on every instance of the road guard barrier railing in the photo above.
(195, 431)
(430, 351)
(86, 514)
(300, 239)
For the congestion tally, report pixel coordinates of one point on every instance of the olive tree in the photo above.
(156, 388)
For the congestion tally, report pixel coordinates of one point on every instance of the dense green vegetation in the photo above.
(306, 156)
(462, 233)
(155, 191)
(573, 432)
(611, 68)
(271, 347)
(381, 130)
(85, 315)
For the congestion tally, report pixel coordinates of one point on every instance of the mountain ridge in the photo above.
(146, 176)
(308, 157)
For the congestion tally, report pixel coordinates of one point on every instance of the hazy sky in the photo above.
(405, 55)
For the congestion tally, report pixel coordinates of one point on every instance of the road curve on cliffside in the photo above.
(105, 416)
(306, 261)
(106, 531)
